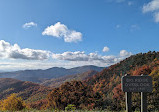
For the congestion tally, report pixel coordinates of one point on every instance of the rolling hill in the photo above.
(106, 86)
(102, 90)
(108, 81)
(56, 82)
(39, 75)
(27, 90)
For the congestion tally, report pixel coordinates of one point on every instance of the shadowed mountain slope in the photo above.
(27, 90)
(41, 75)
(78, 77)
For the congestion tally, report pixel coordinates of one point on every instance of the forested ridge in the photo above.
(108, 81)
(103, 90)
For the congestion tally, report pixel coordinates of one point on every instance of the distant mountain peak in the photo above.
(54, 72)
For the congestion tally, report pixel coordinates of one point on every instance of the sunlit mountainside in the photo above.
(100, 91)
(70, 55)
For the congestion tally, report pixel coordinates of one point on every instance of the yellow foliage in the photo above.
(0, 105)
(12, 103)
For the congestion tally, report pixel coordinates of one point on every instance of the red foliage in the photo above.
(41, 104)
(75, 92)
(142, 70)
(118, 93)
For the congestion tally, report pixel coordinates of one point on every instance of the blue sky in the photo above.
(67, 33)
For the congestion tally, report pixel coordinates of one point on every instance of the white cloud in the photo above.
(153, 7)
(61, 31)
(124, 53)
(91, 58)
(30, 24)
(15, 58)
(62, 60)
(76, 56)
(105, 49)
(15, 52)
(156, 17)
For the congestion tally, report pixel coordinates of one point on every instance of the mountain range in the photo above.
(39, 75)
(31, 91)
(56, 82)
(105, 85)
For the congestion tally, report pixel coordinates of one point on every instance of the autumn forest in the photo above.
(98, 91)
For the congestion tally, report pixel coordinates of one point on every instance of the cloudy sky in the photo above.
(68, 33)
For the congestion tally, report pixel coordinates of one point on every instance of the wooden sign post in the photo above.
(141, 84)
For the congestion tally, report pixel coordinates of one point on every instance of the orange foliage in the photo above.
(12, 103)
(142, 70)
(41, 104)
(118, 93)
(76, 93)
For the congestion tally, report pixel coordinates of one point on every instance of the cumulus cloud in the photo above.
(67, 59)
(79, 56)
(30, 24)
(76, 56)
(153, 7)
(59, 30)
(156, 17)
(105, 49)
(124, 53)
(15, 52)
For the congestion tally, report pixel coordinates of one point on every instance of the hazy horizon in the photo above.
(55, 33)
(14, 70)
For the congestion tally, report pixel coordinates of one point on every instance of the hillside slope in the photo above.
(107, 85)
(27, 90)
(78, 77)
(108, 81)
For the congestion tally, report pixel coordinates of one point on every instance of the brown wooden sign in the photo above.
(137, 84)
